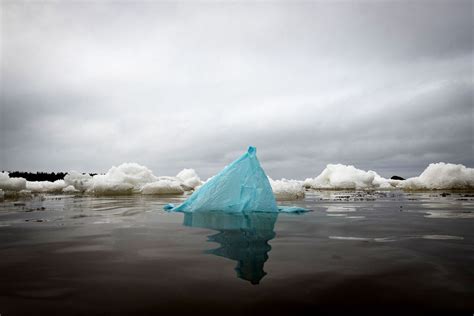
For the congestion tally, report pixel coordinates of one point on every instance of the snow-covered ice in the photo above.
(79, 181)
(287, 189)
(189, 178)
(129, 178)
(70, 189)
(441, 176)
(124, 179)
(347, 177)
(11, 184)
(45, 186)
(163, 186)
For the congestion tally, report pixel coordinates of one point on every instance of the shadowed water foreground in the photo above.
(378, 252)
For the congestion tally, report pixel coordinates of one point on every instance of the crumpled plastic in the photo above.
(242, 186)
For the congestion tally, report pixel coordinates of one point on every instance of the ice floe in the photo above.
(287, 189)
(441, 176)
(437, 176)
(347, 177)
(70, 189)
(45, 186)
(129, 178)
(163, 186)
(124, 179)
(78, 181)
(189, 178)
(11, 184)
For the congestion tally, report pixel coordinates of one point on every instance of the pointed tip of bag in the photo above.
(252, 150)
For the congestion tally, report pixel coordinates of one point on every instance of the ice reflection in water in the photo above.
(242, 237)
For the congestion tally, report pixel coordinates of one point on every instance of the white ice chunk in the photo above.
(189, 178)
(163, 187)
(441, 176)
(45, 186)
(79, 181)
(70, 189)
(287, 189)
(346, 177)
(124, 179)
(11, 184)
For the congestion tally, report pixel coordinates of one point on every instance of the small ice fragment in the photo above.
(292, 209)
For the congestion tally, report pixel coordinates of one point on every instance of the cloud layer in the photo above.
(386, 86)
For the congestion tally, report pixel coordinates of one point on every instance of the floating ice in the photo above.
(347, 177)
(163, 187)
(441, 176)
(11, 184)
(287, 189)
(79, 181)
(436, 176)
(131, 178)
(70, 189)
(125, 179)
(189, 178)
(45, 186)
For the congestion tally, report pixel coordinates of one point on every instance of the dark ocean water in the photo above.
(370, 252)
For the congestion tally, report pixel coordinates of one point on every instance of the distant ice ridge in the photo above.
(127, 178)
(437, 176)
(131, 178)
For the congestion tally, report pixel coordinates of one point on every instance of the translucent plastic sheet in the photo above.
(242, 186)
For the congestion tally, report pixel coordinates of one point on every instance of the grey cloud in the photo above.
(383, 85)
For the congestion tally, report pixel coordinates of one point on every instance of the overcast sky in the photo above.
(386, 86)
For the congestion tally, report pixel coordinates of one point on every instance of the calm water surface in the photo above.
(377, 252)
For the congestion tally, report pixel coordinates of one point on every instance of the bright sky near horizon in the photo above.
(382, 85)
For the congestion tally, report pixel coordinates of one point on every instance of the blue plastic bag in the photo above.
(242, 186)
